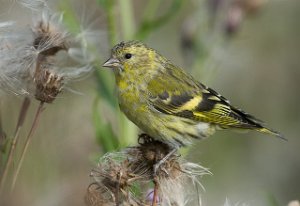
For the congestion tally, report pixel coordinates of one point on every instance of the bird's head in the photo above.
(132, 57)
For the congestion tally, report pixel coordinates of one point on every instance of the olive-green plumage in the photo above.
(166, 102)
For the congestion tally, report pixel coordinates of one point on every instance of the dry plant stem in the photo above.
(117, 191)
(21, 119)
(155, 191)
(1, 126)
(22, 115)
(27, 142)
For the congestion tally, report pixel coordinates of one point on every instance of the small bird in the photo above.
(167, 103)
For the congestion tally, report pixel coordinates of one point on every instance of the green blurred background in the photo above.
(255, 65)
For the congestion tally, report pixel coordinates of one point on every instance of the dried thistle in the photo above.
(48, 37)
(115, 177)
(120, 172)
(145, 156)
(48, 86)
(26, 52)
(175, 175)
(36, 62)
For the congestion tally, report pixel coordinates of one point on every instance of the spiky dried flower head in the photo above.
(48, 39)
(148, 153)
(177, 179)
(133, 169)
(24, 58)
(48, 86)
(114, 176)
(37, 61)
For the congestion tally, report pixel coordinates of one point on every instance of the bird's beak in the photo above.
(112, 63)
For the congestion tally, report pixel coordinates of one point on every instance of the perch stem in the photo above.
(155, 192)
(21, 119)
(27, 142)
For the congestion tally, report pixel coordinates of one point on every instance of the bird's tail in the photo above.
(271, 132)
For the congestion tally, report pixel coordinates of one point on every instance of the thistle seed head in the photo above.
(48, 86)
(123, 173)
(38, 60)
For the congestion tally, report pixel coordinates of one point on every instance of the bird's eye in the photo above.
(128, 55)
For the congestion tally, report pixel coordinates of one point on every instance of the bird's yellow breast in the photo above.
(131, 98)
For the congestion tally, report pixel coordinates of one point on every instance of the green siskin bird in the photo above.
(167, 103)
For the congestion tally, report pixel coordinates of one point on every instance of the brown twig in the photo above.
(155, 191)
(21, 119)
(27, 142)
(118, 190)
(2, 133)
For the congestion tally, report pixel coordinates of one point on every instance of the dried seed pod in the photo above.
(114, 174)
(25, 52)
(48, 37)
(48, 86)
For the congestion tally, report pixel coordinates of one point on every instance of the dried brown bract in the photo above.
(48, 86)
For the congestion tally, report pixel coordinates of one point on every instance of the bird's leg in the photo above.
(162, 161)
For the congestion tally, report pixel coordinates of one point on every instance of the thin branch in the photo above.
(155, 192)
(21, 119)
(118, 190)
(27, 142)
(2, 133)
